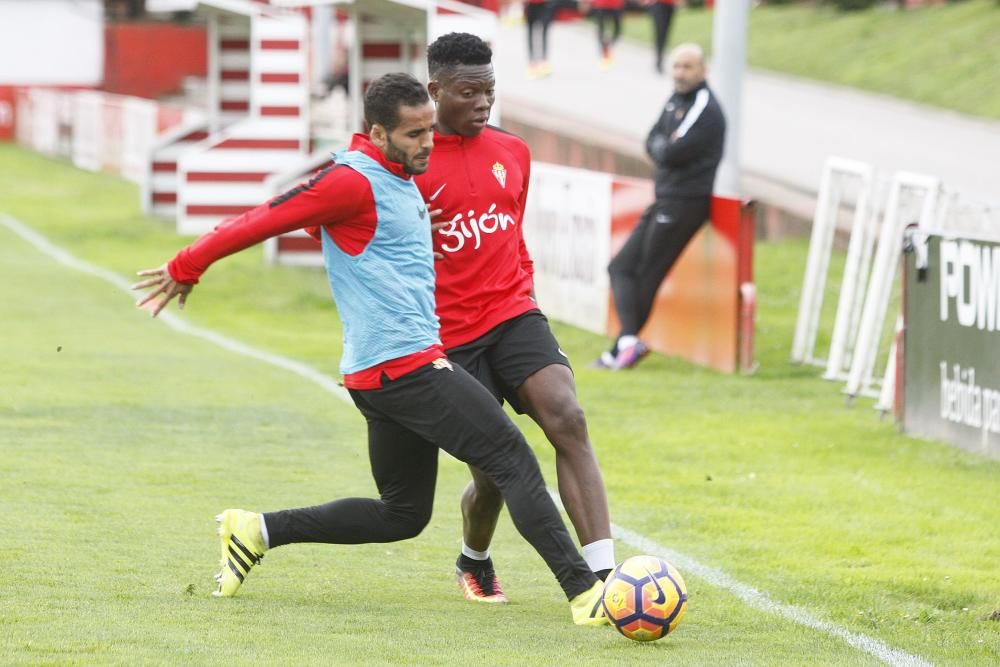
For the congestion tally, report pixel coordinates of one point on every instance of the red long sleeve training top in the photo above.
(486, 276)
(339, 200)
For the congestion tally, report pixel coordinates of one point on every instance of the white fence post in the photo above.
(859, 379)
(817, 265)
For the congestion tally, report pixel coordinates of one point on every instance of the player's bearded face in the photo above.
(411, 142)
(464, 98)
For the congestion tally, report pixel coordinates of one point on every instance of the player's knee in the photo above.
(410, 521)
(414, 526)
(566, 422)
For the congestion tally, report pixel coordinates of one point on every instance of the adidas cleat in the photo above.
(587, 607)
(242, 547)
(478, 580)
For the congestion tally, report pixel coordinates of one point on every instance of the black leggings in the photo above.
(538, 17)
(662, 15)
(603, 16)
(640, 266)
(408, 419)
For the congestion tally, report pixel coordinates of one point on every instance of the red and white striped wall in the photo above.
(161, 192)
(257, 125)
(229, 67)
(387, 47)
(258, 98)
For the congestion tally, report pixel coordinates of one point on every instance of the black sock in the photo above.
(603, 574)
(466, 563)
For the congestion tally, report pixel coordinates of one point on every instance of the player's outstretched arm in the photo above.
(163, 284)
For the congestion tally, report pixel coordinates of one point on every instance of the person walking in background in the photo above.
(477, 186)
(374, 228)
(538, 16)
(662, 13)
(608, 16)
(685, 146)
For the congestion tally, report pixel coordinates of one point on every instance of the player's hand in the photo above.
(435, 226)
(163, 285)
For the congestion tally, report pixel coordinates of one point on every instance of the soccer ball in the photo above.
(645, 598)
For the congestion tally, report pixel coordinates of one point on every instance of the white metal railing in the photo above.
(927, 188)
(828, 206)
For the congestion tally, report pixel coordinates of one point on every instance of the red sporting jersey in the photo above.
(481, 185)
(337, 199)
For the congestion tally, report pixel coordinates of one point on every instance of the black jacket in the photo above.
(686, 144)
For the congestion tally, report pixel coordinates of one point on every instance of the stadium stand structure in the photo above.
(257, 137)
(257, 121)
(387, 36)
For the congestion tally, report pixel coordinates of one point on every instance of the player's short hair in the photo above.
(389, 92)
(454, 49)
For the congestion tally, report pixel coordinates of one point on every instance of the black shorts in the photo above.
(506, 355)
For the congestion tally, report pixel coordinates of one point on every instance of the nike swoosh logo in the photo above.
(434, 196)
(661, 596)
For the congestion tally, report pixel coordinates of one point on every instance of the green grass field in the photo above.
(121, 438)
(947, 55)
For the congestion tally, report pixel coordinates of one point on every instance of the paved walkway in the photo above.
(790, 125)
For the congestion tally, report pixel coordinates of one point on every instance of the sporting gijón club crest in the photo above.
(467, 228)
(500, 173)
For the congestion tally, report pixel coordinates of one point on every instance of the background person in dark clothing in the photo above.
(685, 144)
(608, 16)
(537, 17)
(662, 13)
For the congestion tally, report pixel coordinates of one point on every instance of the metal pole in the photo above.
(321, 45)
(214, 77)
(729, 55)
(355, 78)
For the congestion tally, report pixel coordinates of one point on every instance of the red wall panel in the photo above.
(152, 59)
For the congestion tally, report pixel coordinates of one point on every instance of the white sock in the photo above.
(263, 532)
(600, 555)
(626, 342)
(473, 554)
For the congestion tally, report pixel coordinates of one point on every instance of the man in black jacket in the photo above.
(685, 144)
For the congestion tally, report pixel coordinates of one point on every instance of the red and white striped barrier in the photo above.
(98, 131)
(257, 123)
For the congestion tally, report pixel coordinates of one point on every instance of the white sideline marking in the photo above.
(759, 600)
(711, 575)
(170, 319)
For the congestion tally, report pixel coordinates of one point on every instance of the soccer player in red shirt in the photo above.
(377, 250)
(608, 16)
(476, 188)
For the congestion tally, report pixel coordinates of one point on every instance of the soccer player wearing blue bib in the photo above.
(372, 222)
